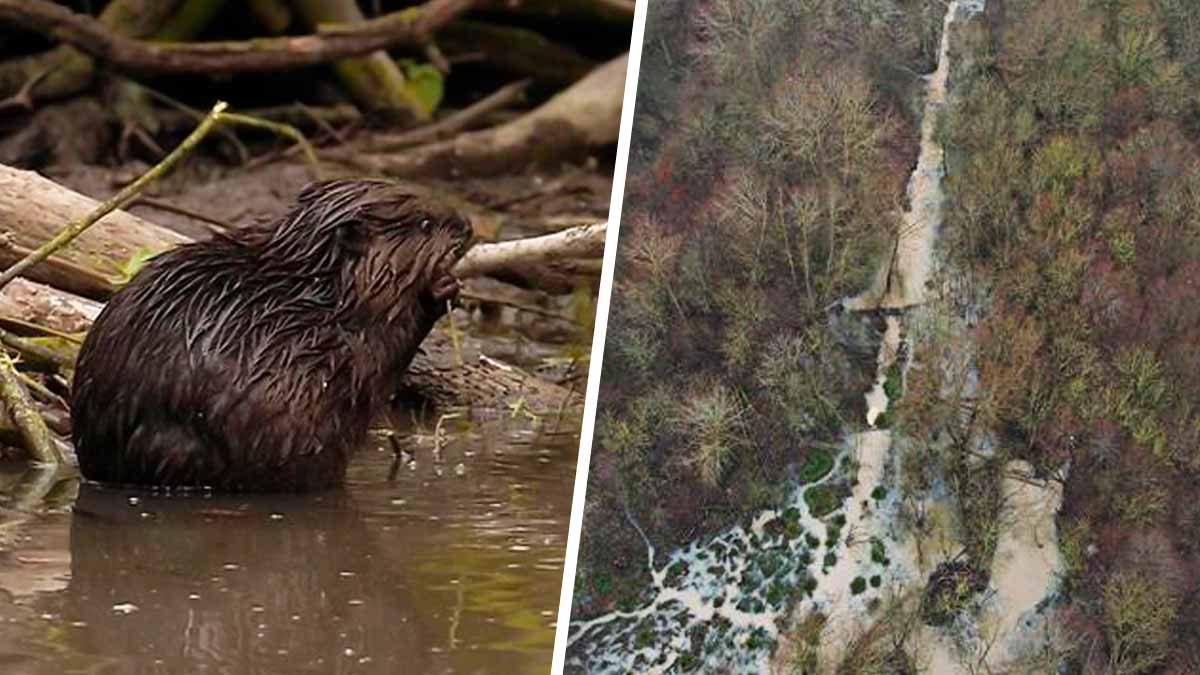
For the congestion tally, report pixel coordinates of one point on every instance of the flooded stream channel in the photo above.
(452, 567)
(839, 546)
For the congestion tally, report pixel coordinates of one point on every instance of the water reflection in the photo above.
(454, 566)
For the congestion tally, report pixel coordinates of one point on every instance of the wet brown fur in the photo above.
(256, 361)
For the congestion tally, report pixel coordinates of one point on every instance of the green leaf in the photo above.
(425, 82)
(129, 269)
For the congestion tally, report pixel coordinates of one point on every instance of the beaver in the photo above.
(255, 361)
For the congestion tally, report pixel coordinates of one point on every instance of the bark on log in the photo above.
(585, 116)
(46, 306)
(408, 27)
(33, 209)
(479, 382)
(607, 11)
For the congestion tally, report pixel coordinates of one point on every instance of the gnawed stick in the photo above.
(586, 241)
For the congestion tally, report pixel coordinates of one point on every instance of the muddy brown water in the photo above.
(454, 566)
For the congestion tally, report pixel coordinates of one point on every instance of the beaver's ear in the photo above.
(352, 237)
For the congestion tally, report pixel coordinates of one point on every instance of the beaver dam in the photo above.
(839, 549)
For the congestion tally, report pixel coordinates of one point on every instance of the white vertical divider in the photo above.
(597, 358)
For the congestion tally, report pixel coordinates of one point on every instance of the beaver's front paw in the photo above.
(445, 288)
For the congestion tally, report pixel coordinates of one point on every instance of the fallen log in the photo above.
(34, 209)
(30, 302)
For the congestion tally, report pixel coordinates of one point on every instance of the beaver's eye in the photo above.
(426, 225)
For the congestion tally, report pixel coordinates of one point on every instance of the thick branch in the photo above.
(585, 116)
(603, 11)
(407, 27)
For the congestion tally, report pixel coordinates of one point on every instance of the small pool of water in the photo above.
(453, 566)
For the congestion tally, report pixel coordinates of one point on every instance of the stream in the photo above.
(723, 603)
(454, 566)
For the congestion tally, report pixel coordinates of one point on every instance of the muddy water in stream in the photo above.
(453, 567)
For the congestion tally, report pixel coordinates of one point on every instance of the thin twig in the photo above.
(197, 116)
(35, 353)
(454, 339)
(39, 390)
(453, 123)
(281, 129)
(20, 407)
(217, 225)
(23, 99)
(117, 201)
(22, 324)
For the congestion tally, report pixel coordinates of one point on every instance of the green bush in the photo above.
(817, 465)
(822, 500)
(878, 553)
(858, 586)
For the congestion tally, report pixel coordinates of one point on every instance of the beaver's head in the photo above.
(390, 244)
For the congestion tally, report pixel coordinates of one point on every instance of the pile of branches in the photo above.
(138, 67)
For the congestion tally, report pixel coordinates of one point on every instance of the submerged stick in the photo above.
(117, 201)
(586, 241)
(33, 428)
